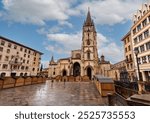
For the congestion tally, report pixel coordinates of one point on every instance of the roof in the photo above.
(126, 36)
(103, 79)
(11, 41)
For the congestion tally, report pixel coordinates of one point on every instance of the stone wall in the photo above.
(70, 79)
(9, 82)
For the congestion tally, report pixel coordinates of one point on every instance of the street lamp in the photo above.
(140, 85)
(136, 51)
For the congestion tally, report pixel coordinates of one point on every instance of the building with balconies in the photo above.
(17, 59)
(140, 36)
(128, 54)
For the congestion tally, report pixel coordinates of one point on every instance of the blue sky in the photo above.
(54, 27)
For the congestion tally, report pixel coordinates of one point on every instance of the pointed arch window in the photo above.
(88, 42)
(88, 55)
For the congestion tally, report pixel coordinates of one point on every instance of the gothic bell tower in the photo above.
(89, 55)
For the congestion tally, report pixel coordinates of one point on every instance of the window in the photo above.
(22, 67)
(144, 59)
(2, 43)
(139, 27)
(146, 34)
(28, 56)
(21, 48)
(34, 58)
(131, 65)
(1, 49)
(140, 37)
(134, 31)
(88, 55)
(143, 12)
(5, 66)
(88, 42)
(25, 50)
(6, 58)
(135, 40)
(9, 45)
(149, 18)
(28, 62)
(24, 61)
(29, 51)
(33, 69)
(128, 39)
(148, 46)
(128, 66)
(139, 61)
(144, 23)
(15, 47)
(129, 48)
(142, 48)
(0, 57)
(78, 55)
(16, 60)
(24, 55)
(27, 67)
(125, 49)
(8, 50)
(130, 57)
(126, 58)
(15, 67)
(149, 58)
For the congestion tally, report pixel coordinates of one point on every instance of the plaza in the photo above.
(53, 94)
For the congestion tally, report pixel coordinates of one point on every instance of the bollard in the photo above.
(110, 99)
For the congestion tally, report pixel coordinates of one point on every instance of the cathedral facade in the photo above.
(83, 62)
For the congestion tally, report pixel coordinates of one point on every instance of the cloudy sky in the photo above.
(54, 27)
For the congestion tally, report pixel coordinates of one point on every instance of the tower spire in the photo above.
(88, 21)
(52, 59)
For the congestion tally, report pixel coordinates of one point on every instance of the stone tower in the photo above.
(89, 53)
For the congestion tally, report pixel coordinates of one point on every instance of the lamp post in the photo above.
(136, 51)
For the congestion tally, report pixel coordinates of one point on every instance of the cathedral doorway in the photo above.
(76, 69)
(64, 73)
(89, 73)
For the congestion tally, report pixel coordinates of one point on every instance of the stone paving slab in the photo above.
(53, 94)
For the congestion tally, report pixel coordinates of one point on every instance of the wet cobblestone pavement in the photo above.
(53, 94)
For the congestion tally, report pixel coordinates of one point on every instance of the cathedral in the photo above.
(84, 61)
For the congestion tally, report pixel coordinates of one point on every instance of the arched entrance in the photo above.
(76, 69)
(89, 73)
(64, 73)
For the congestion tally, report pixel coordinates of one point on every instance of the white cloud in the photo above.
(40, 11)
(111, 11)
(67, 42)
(65, 23)
(42, 31)
(45, 64)
(37, 11)
(112, 52)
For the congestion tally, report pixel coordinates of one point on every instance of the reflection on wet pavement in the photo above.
(53, 94)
